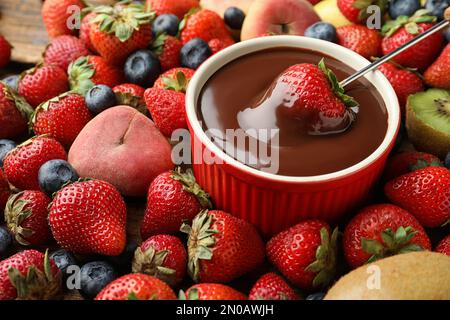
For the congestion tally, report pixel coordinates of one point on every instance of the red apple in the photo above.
(283, 17)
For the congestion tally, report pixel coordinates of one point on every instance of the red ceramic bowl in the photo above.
(274, 202)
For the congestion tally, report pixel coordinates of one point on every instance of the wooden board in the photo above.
(21, 23)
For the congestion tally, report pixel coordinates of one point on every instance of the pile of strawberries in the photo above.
(425, 64)
(188, 245)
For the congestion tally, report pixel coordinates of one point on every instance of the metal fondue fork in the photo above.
(438, 27)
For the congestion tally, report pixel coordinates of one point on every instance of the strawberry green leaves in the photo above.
(201, 241)
(151, 262)
(122, 19)
(392, 243)
(326, 257)
(336, 87)
(187, 179)
(410, 23)
(21, 104)
(36, 284)
(362, 5)
(80, 74)
(17, 211)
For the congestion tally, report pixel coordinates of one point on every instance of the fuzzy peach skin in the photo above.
(219, 6)
(123, 147)
(287, 17)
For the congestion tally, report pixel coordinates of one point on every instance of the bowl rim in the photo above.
(347, 56)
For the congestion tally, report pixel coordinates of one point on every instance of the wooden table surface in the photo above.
(21, 23)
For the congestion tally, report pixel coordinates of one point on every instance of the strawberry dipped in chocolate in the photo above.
(303, 99)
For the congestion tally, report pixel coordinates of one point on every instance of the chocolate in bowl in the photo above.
(237, 85)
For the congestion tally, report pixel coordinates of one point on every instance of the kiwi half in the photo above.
(428, 121)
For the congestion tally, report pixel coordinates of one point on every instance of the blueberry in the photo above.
(5, 147)
(316, 296)
(447, 34)
(99, 98)
(234, 18)
(94, 276)
(12, 82)
(54, 174)
(399, 8)
(323, 31)
(63, 259)
(437, 7)
(142, 68)
(194, 53)
(5, 241)
(166, 23)
(447, 161)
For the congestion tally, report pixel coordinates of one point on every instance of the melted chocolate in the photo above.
(244, 82)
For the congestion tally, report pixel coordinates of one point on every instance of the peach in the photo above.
(219, 6)
(288, 17)
(123, 147)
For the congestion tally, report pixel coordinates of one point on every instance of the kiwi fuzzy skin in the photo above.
(424, 137)
(409, 276)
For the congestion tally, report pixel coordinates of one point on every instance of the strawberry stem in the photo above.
(392, 243)
(200, 242)
(190, 185)
(338, 90)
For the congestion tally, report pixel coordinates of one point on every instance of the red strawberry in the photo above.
(167, 108)
(397, 33)
(62, 117)
(4, 192)
(444, 246)
(172, 198)
(5, 52)
(212, 291)
(404, 82)
(63, 50)
(425, 193)
(204, 24)
(167, 48)
(272, 287)
(222, 247)
(161, 256)
(42, 83)
(118, 31)
(438, 74)
(132, 95)
(26, 217)
(89, 217)
(311, 95)
(88, 71)
(137, 286)
(129, 88)
(56, 16)
(356, 10)
(176, 7)
(362, 40)
(168, 80)
(29, 275)
(405, 162)
(85, 29)
(22, 164)
(217, 45)
(380, 231)
(14, 113)
(305, 254)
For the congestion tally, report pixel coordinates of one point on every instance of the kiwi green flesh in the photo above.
(433, 108)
